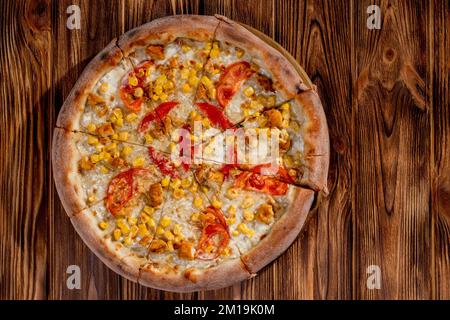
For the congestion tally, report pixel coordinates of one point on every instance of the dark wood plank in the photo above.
(25, 85)
(439, 39)
(391, 187)
(72, 50)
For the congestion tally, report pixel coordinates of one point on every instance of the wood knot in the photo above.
(389, 55)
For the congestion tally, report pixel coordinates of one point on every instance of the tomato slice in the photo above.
(213, 229)
(126, 91)
(121, 189)
(255, 182)
(279, 171)
(215, 115)
(231, 80)
(158, 114)
(163, 163)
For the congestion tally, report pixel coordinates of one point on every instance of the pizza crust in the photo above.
(284, 74)
(223, 275)
(167, 29)
(316, 140)
(65, 159)
(282, 234)
(73, 107)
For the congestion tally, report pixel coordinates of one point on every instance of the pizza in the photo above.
(189, 153)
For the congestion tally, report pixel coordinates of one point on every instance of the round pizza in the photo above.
(189, 153)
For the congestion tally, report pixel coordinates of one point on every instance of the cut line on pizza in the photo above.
(158, 156)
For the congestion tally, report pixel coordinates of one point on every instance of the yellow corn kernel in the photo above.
(239, 52)
(170, 246)
(184, 73)
(128, 241)
(216, 203)
(95, 158)
(144, 218)
(175, 183)
(246, 230)
(161, 79)
(117, 234)
(193, 81)
(214, 53)
(138, 162)
(186, 183)
(148, 138)
(92, 198)
(118, 113)
(248, 215)
(151, 223)
(206, 122)
(103, 87)
(127, 150)
(123, 226)
(149, 210)
(177, 230)
(111, 146)
(235, 233)
(232, 193)
(104, 170)
(285, 106)
(226, 252)
(178, 193)
(206, 81)
(186, 88)
(164, 97)
(138, 92)
(104, 155)
(185, 48)
(165, 221)
(212, 92)
(103, 225)
(165, 181)
(86, 164)
(231, 211)
(155, 97)
(205, 189)
(193, 188)
(169, 235)
(92, 140)
(133, 81)
(198, 202)
(172, 146)
(123, 135)
(195, 216)
(169, 85)
(131, 117)
(142, 230)
(231, 221)
(247, 202)
(249, 91)
(132, 220)
(133, 231)
(91, 127)
(208, 46)
(115, 136)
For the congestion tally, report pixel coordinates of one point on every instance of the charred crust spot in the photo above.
(131, 33)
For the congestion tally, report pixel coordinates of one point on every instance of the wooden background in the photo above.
(386, 95)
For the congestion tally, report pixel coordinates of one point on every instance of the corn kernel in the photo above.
(144, 218)
(92, 198)
(206, 122)
(133, 231)
(235, 233)
(131, 117)
(155, 97)
(104, 170)
(132, 220)
(138, 162)
(177, 230)
(127, 150)
(285, 106)
(143, 231)
(165, 181)
(170, 246)
(103, 225)
(247, 202)
(178, 193)
(86, 164)
(185, 48)
(249, 91)
(123, 226)
(175, 183)
(198, 202)
(115, 136)
(164, 97)
(148, 138)
(232, 193)
(193, 81)
(165, 221)
(231, 211)
(128, 241)
(133, 81)
(149, 210)
(161, 79)
(231, 221)
(169, 235)
(111, 146)
(226, 252)
(92, 140)
(214, 53)
(95, 158)
(117, 234)
(169, 85)
(103, 87)
(216, 203)
(91, 127)
(186, 88)
(138, 92)
(193, 188)
(186, 183)
(206, 81)
(151, 223)
(246, 230)
(248, 215)
(123, 135)
(195, 216)
(184, 73)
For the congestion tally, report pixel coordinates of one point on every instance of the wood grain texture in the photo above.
(386, 95)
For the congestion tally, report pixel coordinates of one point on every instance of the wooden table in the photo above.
(386, 94)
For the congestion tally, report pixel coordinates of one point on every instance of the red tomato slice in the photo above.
(158, 114)
(163, 163)
(219, 229)
(256, 182)
(215, 115)
(121, 189)
(231, 80)
(126, 91)
(279, 171)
